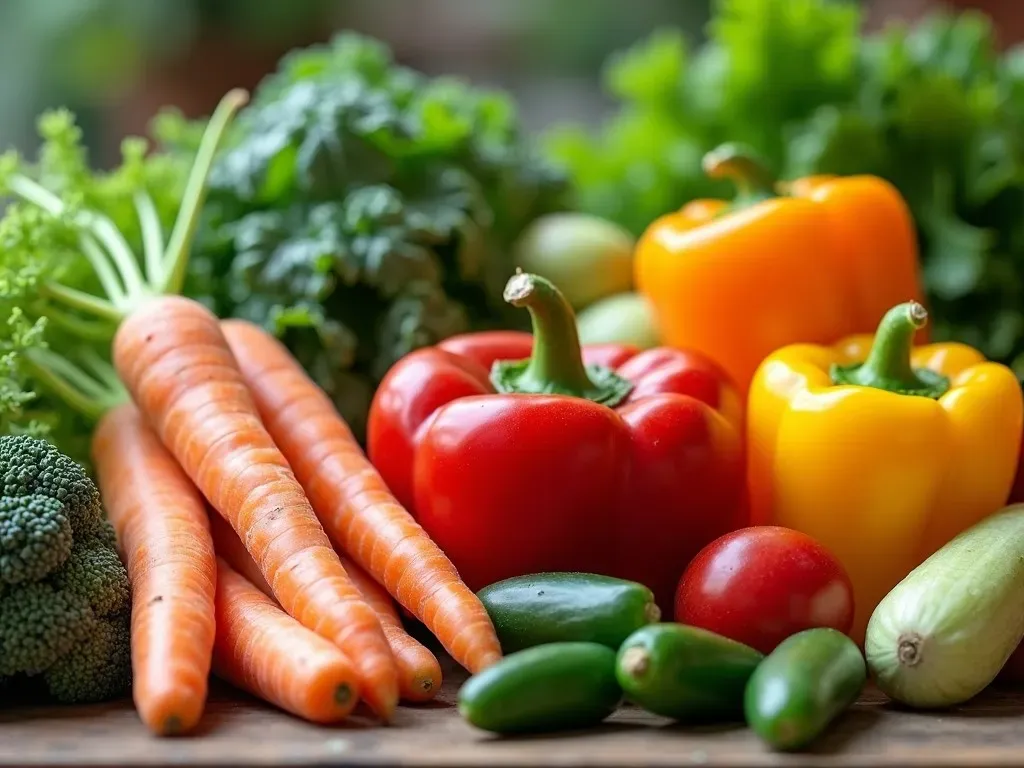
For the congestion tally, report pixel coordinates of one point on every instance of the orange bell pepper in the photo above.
(736, 281)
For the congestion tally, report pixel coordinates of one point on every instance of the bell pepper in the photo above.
(520, 454)
(736, 281)
(881, 450)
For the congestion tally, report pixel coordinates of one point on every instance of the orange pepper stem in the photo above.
(739, 164)
(556, 365)
(888, 364)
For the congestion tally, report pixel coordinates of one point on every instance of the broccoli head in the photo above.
(64, 593)
(32, 467)
(97, 669)
(35, 538)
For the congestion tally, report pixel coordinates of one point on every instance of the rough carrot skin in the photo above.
(164, 539)
(173, 359)
(229, 548)
(357, 510)
(261, 649)
(419, 674)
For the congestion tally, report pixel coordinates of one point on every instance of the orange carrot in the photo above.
(358, 512)
(419, 674)
(174, 360)
(262, 650)
(163, 535)
(229, 548)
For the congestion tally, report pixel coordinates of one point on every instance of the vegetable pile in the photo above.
(934, 108)
(726, 478)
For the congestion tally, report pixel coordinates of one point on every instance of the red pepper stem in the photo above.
(740, 165)
(888, 365)
(557, 358)
(556, 365)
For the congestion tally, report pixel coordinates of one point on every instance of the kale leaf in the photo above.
(362, 210)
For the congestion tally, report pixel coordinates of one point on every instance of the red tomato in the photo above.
(762, 584)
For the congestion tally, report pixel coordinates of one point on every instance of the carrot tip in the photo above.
(343, 694)
(172, 726)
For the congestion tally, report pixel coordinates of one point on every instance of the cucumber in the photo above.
(686, 673)
(552, 687)
(805, 683)
(944, 632)
(565, 607)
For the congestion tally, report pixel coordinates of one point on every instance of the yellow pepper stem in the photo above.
(740, 165)
(556, 365)
(888, 364)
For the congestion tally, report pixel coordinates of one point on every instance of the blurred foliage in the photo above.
(934, 108)
(88, 52)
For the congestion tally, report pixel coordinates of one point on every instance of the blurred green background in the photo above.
(115, 62)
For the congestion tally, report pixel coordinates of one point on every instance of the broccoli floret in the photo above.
(35, 538)
(94, 572)
(96, 670)
(32, 467)
(38, 625)
(64, 593)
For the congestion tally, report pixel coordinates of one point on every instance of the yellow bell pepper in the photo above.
(880, 450)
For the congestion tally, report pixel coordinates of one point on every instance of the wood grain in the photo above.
(239, 731)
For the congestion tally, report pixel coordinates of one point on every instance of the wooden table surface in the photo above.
(239, 731)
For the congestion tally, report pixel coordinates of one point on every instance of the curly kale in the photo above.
(64, 593)
(362, 210)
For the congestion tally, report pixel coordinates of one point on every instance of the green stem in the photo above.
(556, 365)
(104, 271)
(36, 193)
(152, 237)
(91, 330)
(84, 302)
(105, 373)
(175, 263)
(103, 229)
(888, 365)
(740, 165)
(108, 234)
(70, 383)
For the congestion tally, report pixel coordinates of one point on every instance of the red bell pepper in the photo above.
(520, 454)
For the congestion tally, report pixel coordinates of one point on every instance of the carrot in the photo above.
(164, 539)
(419, 674)
(177, 366)
(352, 501)
(230, 549)
(261, 649)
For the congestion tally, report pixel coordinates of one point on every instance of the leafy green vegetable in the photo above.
(362, 210)
(935, 108)
(42, 248)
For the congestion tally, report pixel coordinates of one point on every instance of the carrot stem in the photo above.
(82, 301)
(175, 260)
(77, 388)
(109, 280)
(152, 237)
(91, 330)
